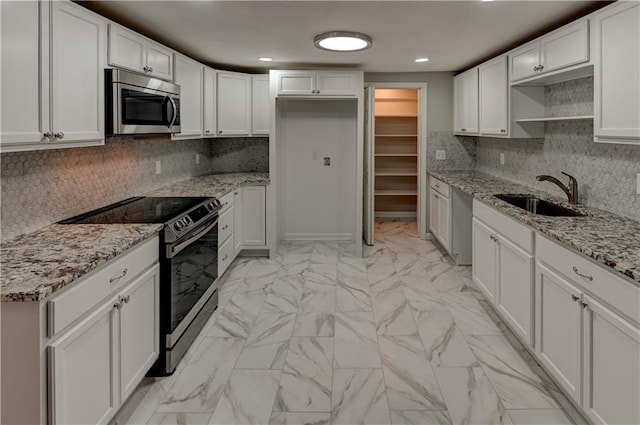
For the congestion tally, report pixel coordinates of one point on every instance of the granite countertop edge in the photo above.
(483, 186)
(28, 277)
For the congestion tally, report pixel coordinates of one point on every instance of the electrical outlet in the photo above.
(327, 161)
(197, 158)
(638, 184)
(441, 154)
(501, 158)
(158, 167)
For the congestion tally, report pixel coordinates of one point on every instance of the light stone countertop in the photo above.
(35, 265)
(605, 237)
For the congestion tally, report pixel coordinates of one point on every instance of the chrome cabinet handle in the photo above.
(541, 67)
(118, 304)
(126, 299)
(145, 68)
(225, 257)
(503, 130)
(220, 131)
(207, 131)
(225, 227)
(150, 69)
(575, 297)
(575, 270)
(48, 135)
(318, 91)
(535, 68)
(120, 276)
(59, 135)
(464, 129)
(584, 305)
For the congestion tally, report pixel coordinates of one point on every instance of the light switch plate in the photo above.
(327, 161)
(501, 158)
(441, 154)
(158, 167)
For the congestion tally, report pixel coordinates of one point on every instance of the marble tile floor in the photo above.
(319, 336)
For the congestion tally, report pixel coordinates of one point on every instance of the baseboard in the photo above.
(317, 237)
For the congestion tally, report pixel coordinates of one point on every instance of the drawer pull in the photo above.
(575, 297)
(126, 299)
(225, 257)
(120, 276)
(225, 227)
(585, 305)
(575, 270)
(118, 304)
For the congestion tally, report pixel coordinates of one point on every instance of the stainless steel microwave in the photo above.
(137, 104)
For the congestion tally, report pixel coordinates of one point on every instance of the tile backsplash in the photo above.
(42, 187)
(606, 173)
(460, 151)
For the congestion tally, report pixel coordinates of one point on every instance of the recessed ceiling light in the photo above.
(485, 0)
(342, 41)
(419, 60)
(265, 59)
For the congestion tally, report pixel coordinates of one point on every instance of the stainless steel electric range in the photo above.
(188, 264)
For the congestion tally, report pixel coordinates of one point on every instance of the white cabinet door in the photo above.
(139, 328)
(459, 103)
(494, 97)
(209, 108)
(471, 101)
(434, 213)
(77, 65)
(81, 366)
(559, 329)
(254, 232)
(189, 75)
(335, 84)
(612, 366)
(524, 61)
(444, 213)
(234, 104)
(25, 72)
(515, 294)
(238, 230)
(126, 49)
(260, 104)
(159, 61)
(485, 257)
(566, 47)
(616, 86)
(296, 83)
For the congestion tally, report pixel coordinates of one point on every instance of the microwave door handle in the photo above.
(175, 111)
(165, 111)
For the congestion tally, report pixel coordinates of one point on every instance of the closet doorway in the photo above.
(395, 156)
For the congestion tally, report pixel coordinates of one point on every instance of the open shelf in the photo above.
(396, 193)
(396, 184)
(396, 135)
(396, 173)
(395, 154)
(580, 117)
(388, 115)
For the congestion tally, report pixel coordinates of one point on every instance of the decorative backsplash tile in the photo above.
(42, 187)
(606, 173)
(250, 154)
(460, 151)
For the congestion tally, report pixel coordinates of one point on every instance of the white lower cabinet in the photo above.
(503, 269)
(254, 231)
(440, 212)
(237, 221)
(81, 374)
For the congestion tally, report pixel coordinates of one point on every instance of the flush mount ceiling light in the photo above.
(342, 41)
(265, 59)
(419, 60)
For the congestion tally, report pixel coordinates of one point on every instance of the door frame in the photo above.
(421, 216)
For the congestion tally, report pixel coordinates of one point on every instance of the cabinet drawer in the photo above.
(518, 233)
(225, 256)
(440, 186)
(226, 201)
(621, 295)
(225, 226)
(70, 305)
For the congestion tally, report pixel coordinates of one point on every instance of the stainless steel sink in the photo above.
(535, 205)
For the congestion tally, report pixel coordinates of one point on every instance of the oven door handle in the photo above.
(175, 250)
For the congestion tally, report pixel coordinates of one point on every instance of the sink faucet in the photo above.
(571, 190)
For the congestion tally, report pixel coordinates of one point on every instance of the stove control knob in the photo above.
(178, 226)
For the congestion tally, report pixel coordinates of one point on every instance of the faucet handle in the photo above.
(571, 178)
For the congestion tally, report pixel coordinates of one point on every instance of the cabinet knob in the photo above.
(48, 135)
(59, 135)
(150, 69)
(318, 91)
(541, 67)
(145, 68)
(225, 257)
(219, 131)
(585, 305)
(535, 68)
(575, 297)
(235, 193)
(502, 130)
(126, 299)
(207, 131)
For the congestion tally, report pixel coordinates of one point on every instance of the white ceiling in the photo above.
(233, 34)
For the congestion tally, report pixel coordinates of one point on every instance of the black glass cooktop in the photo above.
(138, 210)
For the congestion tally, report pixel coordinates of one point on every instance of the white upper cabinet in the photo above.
(494, 99)
(189, 75)
(616, 85)
(260, 104)
(130, 50)
(234, 104)
(209, 108)
(53, 59)
(321, 83)
(465, 89)
(562, 48)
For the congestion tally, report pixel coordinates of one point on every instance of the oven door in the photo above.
(189, 271)
(144, 111)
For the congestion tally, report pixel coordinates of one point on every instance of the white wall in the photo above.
(316, 202)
